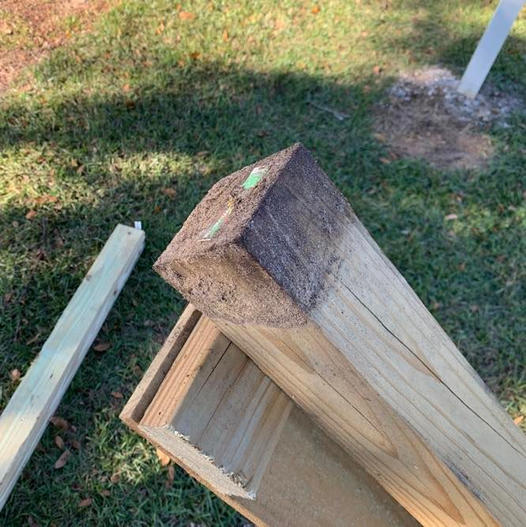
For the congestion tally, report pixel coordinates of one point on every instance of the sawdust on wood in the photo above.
(424, 117)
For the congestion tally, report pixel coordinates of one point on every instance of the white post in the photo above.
(489, 46)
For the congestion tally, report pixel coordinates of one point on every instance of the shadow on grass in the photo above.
(151, 154)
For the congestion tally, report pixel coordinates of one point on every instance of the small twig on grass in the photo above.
(339, 115)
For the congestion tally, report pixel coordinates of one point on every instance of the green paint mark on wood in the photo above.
(212, 231)
(250, 182)
(254, 177)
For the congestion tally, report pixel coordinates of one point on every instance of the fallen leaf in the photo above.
(62, 460)
(519, 419)
(31, 214)
(462, 266)
(115, 477)
(32, 340)
(186, 15)
(117, 395)
(163, 458)
(377, 70)
(105, 492)
(59, 442)
(170, 476)
(85, 503)
(59, 422)
(8, 297)
(59, 242)
(6, 30)
(102, 346)
(195, 55)
(46, 198)
(315, 10)
(280, 24)
(126, 88)
(170, 192)
(15, 375)
(384, 160)
(225, 35)
(40, 254)
(451, 217)
(75, 444)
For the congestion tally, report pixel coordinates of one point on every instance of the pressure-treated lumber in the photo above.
(228, 416)
(307, 479)
(25, 417)
(275, 256)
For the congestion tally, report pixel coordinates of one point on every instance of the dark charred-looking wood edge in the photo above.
(268, 263)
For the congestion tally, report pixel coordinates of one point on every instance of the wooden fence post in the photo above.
(275, 256)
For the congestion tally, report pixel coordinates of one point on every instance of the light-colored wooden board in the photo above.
(145, 391)
(26, 415)
(489, 46)
(218, 412)
(295, 280)
(308, 480)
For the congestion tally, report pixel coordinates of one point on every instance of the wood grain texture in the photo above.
(364, 358)
(216, 411)
(308, 480)
(145, 391)
(26, 415)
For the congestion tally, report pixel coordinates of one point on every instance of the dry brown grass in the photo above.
(29, 29)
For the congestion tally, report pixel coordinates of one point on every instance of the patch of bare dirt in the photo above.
(29, 29)
(426, 118)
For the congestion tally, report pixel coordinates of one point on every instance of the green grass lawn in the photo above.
(137, 119)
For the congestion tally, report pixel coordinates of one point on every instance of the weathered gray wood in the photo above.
(26, 415)
(276, 257)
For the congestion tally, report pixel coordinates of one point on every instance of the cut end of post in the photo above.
(272, 223)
